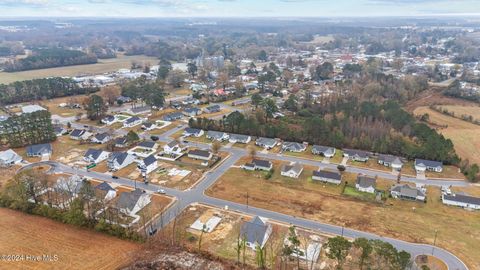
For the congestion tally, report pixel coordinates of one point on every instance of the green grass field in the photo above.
(103, 66)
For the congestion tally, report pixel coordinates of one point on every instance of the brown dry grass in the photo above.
(458, 110)
(464, 135)
(459, 230)
(76, 248)
(103, 66)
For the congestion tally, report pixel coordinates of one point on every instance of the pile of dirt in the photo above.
(180, 258)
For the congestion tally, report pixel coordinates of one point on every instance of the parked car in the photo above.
(114, 177)
(154, 138)
(161, 191)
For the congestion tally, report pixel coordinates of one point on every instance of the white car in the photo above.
(161, 191)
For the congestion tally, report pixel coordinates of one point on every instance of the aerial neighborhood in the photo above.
(269, 145)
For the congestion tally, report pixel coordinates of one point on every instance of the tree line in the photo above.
(24, 91)
(48, 58)
(27, 129)
(344, 122)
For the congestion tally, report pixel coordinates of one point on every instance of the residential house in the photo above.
(80, 134)
(148, 164)
(200, 154)
(258, 164)
(119, 160)
(101, 138)
(173, 148)
(123, 99)
(390, 161)
(217, 135)
(356, 155)
(463, 201)
(291, 170)
(404, 191)
(192, 112)
(212, 109)
(148, 145)
(173, 116)
(294, 147)
(422, 165)
(130, 203)
(327, 176)
(60, 131)
(9, 158)
(132, 121)
(239, 138)
(95, 155)
(105, 191)
(149, 126)
(140, 110)
(195, 132)
(266, 143)
(256, 232)
(109, 120)
(365, 183)
(121, 142)
(325, 151)
(39, 150)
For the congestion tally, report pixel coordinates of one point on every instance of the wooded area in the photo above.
(27, 129)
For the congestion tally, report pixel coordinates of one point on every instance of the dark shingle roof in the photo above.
(198, 152)
(328, 175)
(104, 186)
(93, 153)
(254, 231)
(365, 181)
(128, 200)
(428, 163)
(147, 144)
(39, 148)
(462, 199)
(149, 160)
(262, 163)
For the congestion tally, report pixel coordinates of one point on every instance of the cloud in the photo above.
(24, 2)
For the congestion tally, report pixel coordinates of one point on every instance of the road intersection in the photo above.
(196, 194)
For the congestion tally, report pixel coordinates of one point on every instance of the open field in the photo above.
(103, 66)
(410, 221)
(464, 135)
(473, 111)
(433, 96)
(76, 248)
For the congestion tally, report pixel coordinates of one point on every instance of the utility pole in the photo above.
(247, 200)
(342, 230)
(434, 241)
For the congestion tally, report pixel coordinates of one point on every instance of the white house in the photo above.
(130, 203)
(109, 120)
(148, 164)
(267, 143)
(9, 158)
(132, 121)
(217, 135)
(149, 126)
(327, 176)
(256, 232)
(106, 191)
(463, 201)
(365, 184)
(119, 160)
(101, 138)
(95, 156)
(239, 138)
(200, 154)
(325, 151)
(80, 134)
(258, 164)
(422, 165)
(292, 170)
(173, 148)
(406, 192)
(195, 132)
(390, 161)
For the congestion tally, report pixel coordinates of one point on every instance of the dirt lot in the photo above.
(464, 135)
(411, 221)
(76, 248)
(103, 66)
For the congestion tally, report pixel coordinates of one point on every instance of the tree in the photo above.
(216, 145)
(176, 78)
(262, 55)
(291, 103)
(338, 248)
(132, 137)
(256, 100)
(252, 152)
(96, 107)
(323, 71)
(270, 108)
(294, 244)
(192, 69)
(366, 250)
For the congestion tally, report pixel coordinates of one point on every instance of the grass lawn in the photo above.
(410, 221)
(103, 66)
(352, 191)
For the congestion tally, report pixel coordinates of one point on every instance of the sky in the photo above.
(237, 8)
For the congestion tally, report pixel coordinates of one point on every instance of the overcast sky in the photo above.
(237, 8)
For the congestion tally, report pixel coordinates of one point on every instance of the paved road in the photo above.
(196, 195)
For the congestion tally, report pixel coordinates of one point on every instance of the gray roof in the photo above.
(132, 119)
(266, 141)
(141, 109)
(101, 136)
(390, 159)
(262, 163)
(428, 163)
(254, 231)
(366, 181)
(39, 148)
(171, 116)
(238, 137)
(121, 140)
(147, 144)
(215, 107)
(328, 175)
(462, 198)
(109, 118)
(77, 132)
(104, 186)
(128, 200)
(326, 150)
(192, 130)
(408, 191)
(215, 134)
(93, 153)
(119, 157)
(192, 110)
(149, 160)
(296, 168)
(198, 152)
(172, 143)
(293, 146)
(359, 153)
